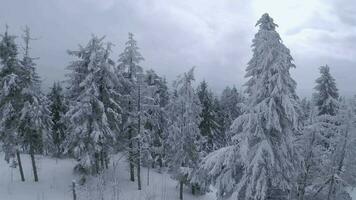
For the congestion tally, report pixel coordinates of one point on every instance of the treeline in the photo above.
(264, 143)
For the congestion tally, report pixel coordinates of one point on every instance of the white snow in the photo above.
(56, 178)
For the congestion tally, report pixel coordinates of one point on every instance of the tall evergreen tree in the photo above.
(232, 104)
(10, 100)
(184, 119)
(156, 122)
(327, 102)
(58, 109)
(127, 70)
(34, 122)
(94, 110)
(209, 128)
(326, 96)
(338, 166)
(266, 130)
(261, 162)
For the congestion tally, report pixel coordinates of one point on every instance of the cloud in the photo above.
(175, 35)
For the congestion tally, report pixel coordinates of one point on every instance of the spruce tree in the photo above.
(58, 109)
(10, 100)
(34, 122)
(326, 96)
(232, 104)
(127, 71)
(266, 131)
(94, 111)
(208, 126)
(261, 163)
(183, 131)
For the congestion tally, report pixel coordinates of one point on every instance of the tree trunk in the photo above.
(20, 165)
(34, 168)
(106, 159)
(148, 174)
(96, 155)
(193, 189)
(181, 190)
(74, 191)
(102, 160)
(131, 160)
(138, 165)
(138, 140)
(331, 188)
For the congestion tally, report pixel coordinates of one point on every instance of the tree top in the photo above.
(266, 23)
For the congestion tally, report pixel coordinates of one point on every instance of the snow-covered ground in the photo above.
(56, 178)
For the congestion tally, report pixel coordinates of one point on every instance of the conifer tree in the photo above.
(184, 118)
(232, 103)
(10, 100)
(34, 122)
(208, 126)
(261, 162)
(58, 109)
(94, 111)
(127, 71)
(326, 96)
(338, 166)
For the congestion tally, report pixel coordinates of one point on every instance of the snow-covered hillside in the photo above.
(56, 177)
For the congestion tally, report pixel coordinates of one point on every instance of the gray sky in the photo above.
(215, 36)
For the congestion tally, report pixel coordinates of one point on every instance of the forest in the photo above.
(257, 141)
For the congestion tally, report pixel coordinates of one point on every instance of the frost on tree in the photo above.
(58, 108)
(183, 131)
(264, 134)
(94, 111)
(127, 71)
(209, 127)
(34, 122)
(326, 96)
(337, 166)
(232, 104)
(10, 96)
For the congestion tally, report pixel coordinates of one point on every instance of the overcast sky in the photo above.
(174, 35)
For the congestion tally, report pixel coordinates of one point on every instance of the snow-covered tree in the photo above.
(156, 122)
(312, 154)
(326, 96)
(127, 71)
(34, 122)
(232, 103)
(183, 131)
(209, 128)
(261, 162)
(337, 172)
(306, 108)
(327, 102)
(10, 100)
(94, 111)
(58, 108)
(265, 132)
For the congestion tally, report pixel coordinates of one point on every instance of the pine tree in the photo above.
(58, 109)
(261, 162)
(306, 109)
(208, 125)
(10, 100)
(156, 122)
(232, 104)
(327, 102)
(184, 118)
(127, 71)
(326, 96)
(94, 112)
(34, 122)
(336, 172)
